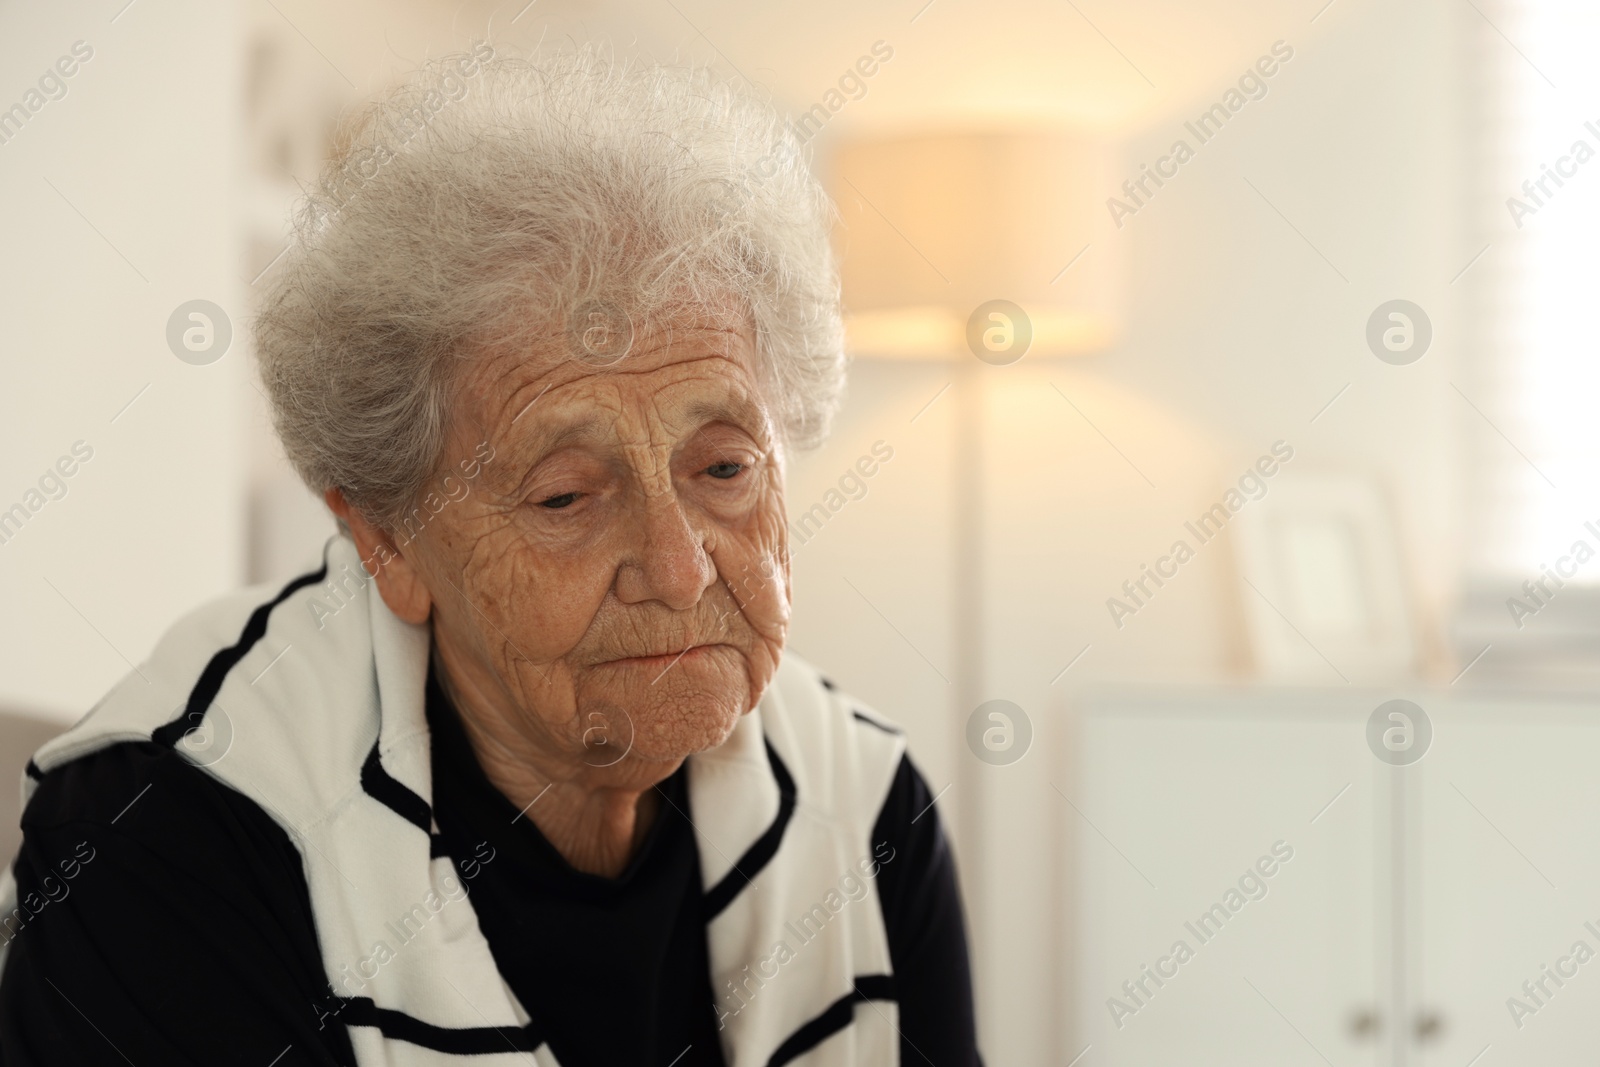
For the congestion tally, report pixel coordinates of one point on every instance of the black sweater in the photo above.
(169, 923)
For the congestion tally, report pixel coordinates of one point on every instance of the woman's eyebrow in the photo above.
(739, 411)
(542, 438)
(540, 441)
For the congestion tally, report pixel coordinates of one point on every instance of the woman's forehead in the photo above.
(697, 377)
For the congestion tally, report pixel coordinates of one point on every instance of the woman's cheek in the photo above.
(766, 604)
(548, 602)
(747, 569)
(775, 544)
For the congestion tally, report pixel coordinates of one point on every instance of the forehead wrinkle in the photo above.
(512, 408)
(727, 343)
(736, 403)
(554, 422)
(604, 417)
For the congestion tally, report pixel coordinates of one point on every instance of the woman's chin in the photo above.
(677, 737)
(692, 708)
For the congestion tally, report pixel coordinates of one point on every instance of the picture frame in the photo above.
(1325, 597)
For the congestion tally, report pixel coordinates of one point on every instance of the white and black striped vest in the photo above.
(310, 703)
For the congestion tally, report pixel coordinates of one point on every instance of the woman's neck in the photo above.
(596, 817)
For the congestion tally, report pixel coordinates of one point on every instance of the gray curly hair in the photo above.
(490, 197)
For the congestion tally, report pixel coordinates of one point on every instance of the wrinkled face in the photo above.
(615, 580)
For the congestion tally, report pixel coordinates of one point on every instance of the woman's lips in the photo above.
(666, 659)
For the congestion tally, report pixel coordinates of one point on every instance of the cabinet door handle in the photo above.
(1364, 1024)
(1427, 1026)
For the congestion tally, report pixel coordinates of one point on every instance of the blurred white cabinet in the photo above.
(1417, 899)
(1505, 822)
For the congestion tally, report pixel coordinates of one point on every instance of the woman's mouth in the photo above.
(665, 659)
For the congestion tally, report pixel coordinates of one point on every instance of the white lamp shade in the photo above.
(935, 226)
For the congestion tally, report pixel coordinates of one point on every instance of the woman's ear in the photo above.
(399, 581)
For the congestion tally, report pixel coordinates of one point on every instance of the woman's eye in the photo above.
(724, 470)
(555, 502)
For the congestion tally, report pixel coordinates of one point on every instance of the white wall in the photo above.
(119, 206)
(1238, 334)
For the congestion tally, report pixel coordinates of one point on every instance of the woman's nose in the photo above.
(669, 561)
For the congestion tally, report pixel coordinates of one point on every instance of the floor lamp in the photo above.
(978, 250)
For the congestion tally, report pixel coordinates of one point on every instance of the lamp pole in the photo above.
(967, 631)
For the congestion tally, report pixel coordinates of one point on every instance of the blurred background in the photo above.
(1225, 376)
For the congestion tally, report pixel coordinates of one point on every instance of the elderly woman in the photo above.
(522, 771)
